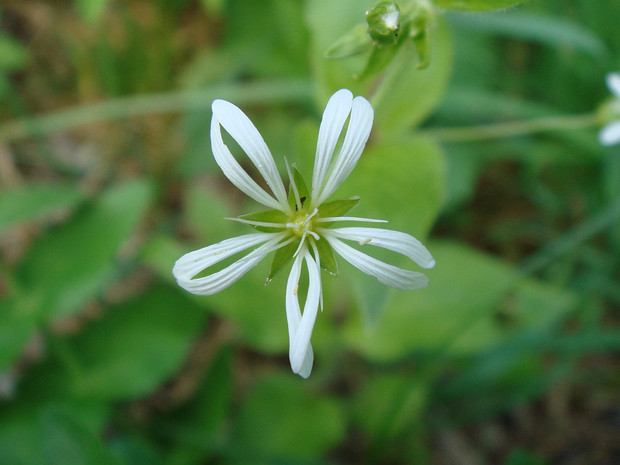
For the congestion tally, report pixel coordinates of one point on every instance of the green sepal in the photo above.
(282, 256)
(422, 23)
(326, 255)
(354, 42)
(302, 189)
(266, 216)
(378, 60)
(337, 207)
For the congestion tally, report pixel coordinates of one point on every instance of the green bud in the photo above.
(384, 22)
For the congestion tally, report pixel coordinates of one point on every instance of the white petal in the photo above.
(300, 326)
(397, 241)
(355, 140)
(335, 114)
(387, 274)
(233, 171)
(613, 82)
(610, 134)
(249, 139)
(194, 262)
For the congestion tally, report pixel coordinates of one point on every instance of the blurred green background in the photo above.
(510, 356)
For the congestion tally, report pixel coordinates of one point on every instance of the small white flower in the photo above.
(610, 134)
(297, 224)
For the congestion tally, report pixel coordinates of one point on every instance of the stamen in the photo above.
(365, 241)
(316, 210)
(301, 242)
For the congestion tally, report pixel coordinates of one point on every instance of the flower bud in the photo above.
(384, 22)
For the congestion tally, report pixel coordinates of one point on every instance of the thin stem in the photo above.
(62, 120)
(511, 129)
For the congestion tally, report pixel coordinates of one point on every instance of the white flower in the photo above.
(610, 134)
(297, 224)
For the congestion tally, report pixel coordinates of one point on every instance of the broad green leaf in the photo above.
(337, 208)
(204, 213)
(136, 346)
(17, 324)
(197, 426)
(42, 389)
(328, 21)
(35, 201)
(409, 201)
(326, 254)
(408, 94)
(388, 405)
(277, 412)
(477, 5)
(66, 441)
(550, 30)
(473, 302)
(73, 262)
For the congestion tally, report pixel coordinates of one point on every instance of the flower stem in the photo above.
(511, 129)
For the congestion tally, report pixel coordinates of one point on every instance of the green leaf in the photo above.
(136, 347)
(354, 42)
(24, 420)
(204, 210)
(553, 31)
(281, 258)
(35, 201)
(327, 22)
(407, 93)
(337, 208)
(410, 201)
(326, 254)
(266, 216)
(473, 302)
(197, 427)
(388, 405)
(74, 262)
(17, 324)
(477, 5)
(277, 412)
(66, 441)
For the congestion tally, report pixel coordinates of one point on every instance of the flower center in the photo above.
(302, 223)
